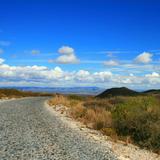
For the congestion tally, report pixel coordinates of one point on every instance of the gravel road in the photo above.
(28, 131)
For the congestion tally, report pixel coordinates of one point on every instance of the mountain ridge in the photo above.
(122, 91)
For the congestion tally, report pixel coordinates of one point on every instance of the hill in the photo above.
(14, 93)
(123, 91)
(152, 91)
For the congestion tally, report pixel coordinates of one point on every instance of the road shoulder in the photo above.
(120, 149)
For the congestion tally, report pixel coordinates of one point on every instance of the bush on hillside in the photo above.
(139, 117)
(133, 119)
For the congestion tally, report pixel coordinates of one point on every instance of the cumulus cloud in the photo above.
(153, 78)
(144, 57)
(67, 56)
(111, 63)
(1, 61)
(83, 76)
(44, 76)
(153, 75)
(102, 76)
(1, 51)
(66, 50)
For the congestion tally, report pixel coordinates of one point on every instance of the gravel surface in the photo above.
(28, 131)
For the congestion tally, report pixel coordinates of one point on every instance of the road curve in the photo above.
(28, 131)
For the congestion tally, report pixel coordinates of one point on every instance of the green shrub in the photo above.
(76, 97)
(139, 117)
(98, 103)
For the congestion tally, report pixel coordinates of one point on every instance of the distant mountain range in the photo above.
(100, 92)
(64, 90)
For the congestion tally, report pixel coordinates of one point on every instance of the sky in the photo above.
(67, 43)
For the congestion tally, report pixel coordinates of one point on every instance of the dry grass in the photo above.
(99, 118)
(59, 99)
(94, 116)
(78, 111)
(100, 103)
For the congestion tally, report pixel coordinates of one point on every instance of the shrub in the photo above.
(59, 99)
(110, 132)
(116, 100)
(131, 119)
(98, 103)
(77, 111)
(139, 118)
(76, 97)
(98, 117)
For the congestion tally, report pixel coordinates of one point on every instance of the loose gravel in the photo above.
(28, 131)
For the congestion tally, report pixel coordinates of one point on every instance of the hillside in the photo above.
(152, 91)
(123, 91)
(128, 118)
(14, 93)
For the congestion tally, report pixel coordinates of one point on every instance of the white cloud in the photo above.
(144, 57)
(102, 76)
(111, 63)
(1, 51)
(153, 75)
(153, 78)
(66, 50)
(83, 76)
(35, 52)
(44, 76)
(68, 56)
(67, 59)
(1, 60)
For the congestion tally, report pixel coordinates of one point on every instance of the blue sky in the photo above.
(102, 43)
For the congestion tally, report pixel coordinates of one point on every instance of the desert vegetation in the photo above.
(133, 119)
